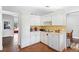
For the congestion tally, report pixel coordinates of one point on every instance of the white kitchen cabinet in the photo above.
(57, 41)
(35, 20)
(62, 41)
(46, 20)
(35, 37)
(53, 40)
(44, 37)
(58, 19)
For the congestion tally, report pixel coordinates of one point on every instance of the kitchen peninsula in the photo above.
(52, 36)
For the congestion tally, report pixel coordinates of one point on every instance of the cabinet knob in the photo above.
(47, 34)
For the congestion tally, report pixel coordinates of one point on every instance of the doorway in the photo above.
(10, 33)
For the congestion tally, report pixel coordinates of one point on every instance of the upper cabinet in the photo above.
(58, 19)
(35, 20)
(46, 20)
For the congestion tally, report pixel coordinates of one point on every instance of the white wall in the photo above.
(1, 25)
(8, 32)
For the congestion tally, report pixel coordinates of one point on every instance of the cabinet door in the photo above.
(58, 19)
(35, 37)
(50, 40)
(42, 37)
(32, 37)
(53, 41)
(35, 20)
(46, 38)
(62, 41)
(46, 20)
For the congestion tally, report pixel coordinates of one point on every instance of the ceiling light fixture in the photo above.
(54, 7)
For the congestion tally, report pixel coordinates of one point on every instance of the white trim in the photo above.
(9, 13)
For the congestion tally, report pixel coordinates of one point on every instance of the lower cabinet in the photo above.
(53, 40)
(44, 37)
(56, 41)
(35, 37)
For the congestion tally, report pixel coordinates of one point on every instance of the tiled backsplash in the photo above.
(54, 28)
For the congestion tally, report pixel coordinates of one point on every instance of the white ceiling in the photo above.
(40, 10)
(36, 10)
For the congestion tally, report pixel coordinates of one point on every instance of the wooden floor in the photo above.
(38, 47)
(10, 45)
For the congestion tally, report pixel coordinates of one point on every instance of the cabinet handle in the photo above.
(47, 34)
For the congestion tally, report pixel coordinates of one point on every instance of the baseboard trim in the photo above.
(29, 45)
(42, 43)
(49, 47)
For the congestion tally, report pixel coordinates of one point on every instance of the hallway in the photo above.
(10, 44)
